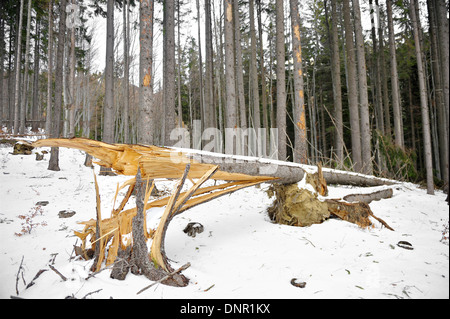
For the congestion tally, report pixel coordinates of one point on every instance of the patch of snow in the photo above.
(240, 253)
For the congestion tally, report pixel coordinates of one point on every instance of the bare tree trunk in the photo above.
(423, 103)
(35, 116)
(301, 145)
(210, 110)
(126, 75)
(147, 110)
(336, 80)
(169, 70)
(253, 70)
(18, 59)
(263, 74)
(396, 104)
(239, 68)
(352, 89)
(48, 118)
(366, 139)
(230, 109)
(281, 81)
(108, 122)
(53, 163)
(443, 30)
(2, 48)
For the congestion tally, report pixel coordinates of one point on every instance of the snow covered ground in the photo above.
(240, 254)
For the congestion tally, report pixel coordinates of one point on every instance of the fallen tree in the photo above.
(121, 240)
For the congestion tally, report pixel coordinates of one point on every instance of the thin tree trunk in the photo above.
(352, 89)
(301, 145)
(396, 104)
(263, 75)
(48, 118)
(209, 78)
(239, 68)
(169, 71)
(126, 75)
(18, 59)
(35, 102)
(366, 140)
(147, 110)
(108, 122)
(281, 81)
(423, 103)
(2, 47)
(230, 109)
(254, 71)
(53, 163)
(443, 30)
(336, 81)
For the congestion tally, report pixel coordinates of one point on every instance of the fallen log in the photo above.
(163, 162)
(368, 198)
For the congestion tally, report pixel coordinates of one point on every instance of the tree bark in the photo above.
(169, 70)
(25, 86)
(48, 118)
(18, 59)
(230, 110)
(147, 111)
(53, 163)
(336, 80)
(396, 104)
(352, 89)
(423, 103)
(239, 68)
(301, 144)
(281, 81)
(108, 120)
(209, 78)
(366, 138)
(253, 71)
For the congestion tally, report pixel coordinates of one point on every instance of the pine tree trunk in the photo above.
(239, 68)
(53, 163)
(396, 106)
(301, 145)
(147, 112)
(336, 80)
(423, 103)
(169, 71)
(35, 116)
(210, 110)
(281, 81)
(108, 121)
(443, 30)
(253, 71)
(230, 108)
(48, 118)
(18, 59)
(126, 74)
(366, 139)
(352, 89)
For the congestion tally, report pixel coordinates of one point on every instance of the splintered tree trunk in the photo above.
(137, 257)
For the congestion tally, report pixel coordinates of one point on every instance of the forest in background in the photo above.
(374, 102)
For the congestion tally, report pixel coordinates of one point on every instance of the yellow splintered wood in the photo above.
(154, 162)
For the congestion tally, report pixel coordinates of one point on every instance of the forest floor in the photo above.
(240, 253)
